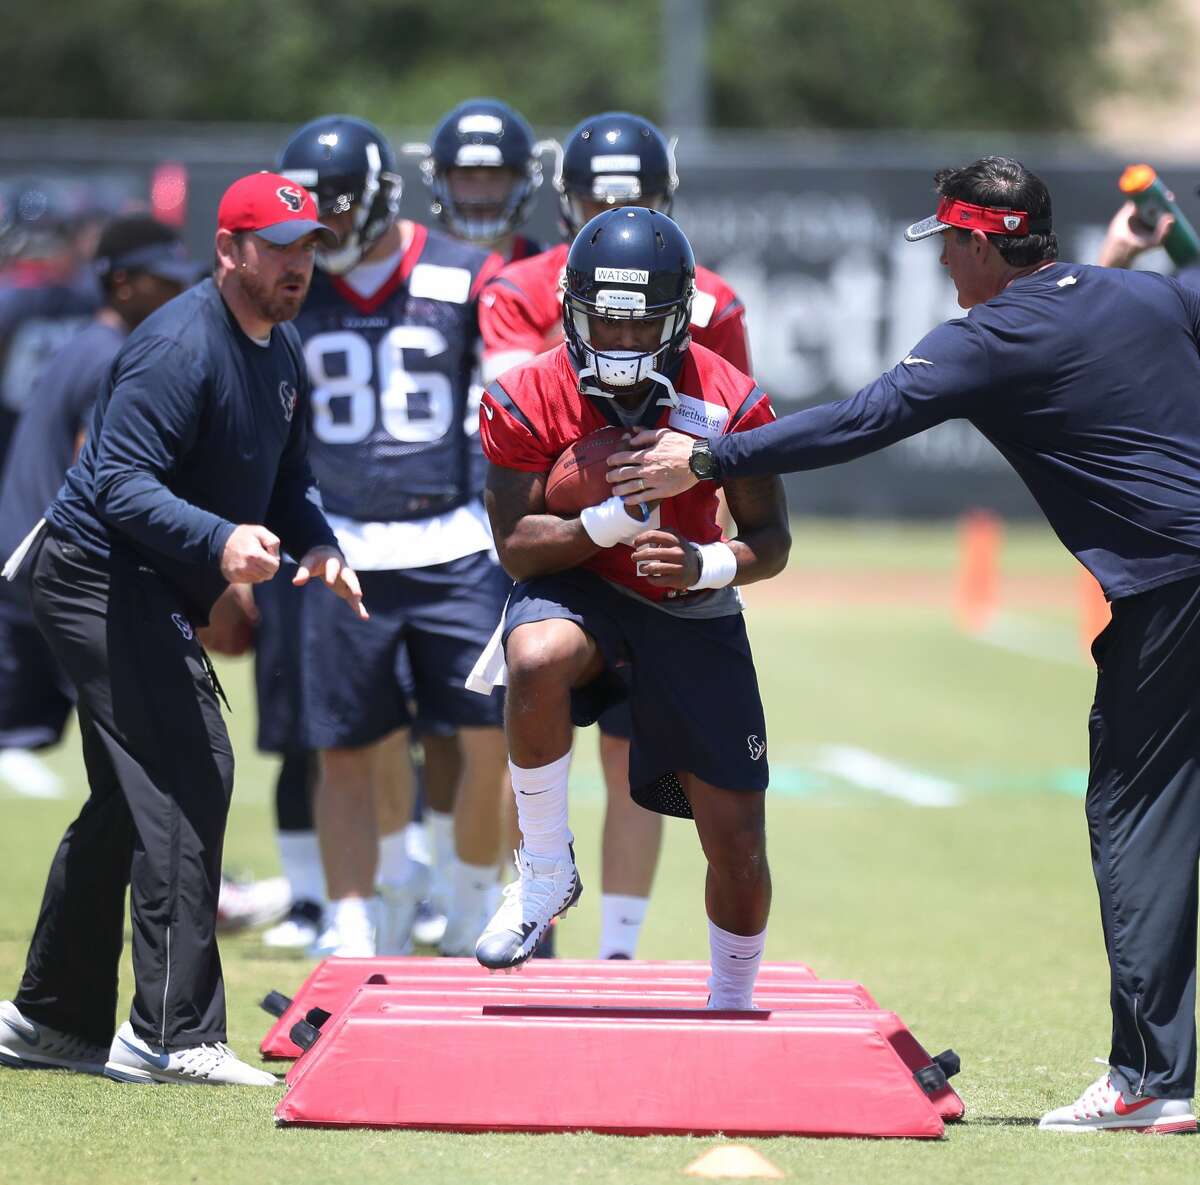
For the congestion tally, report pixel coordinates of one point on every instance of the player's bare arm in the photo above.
(761, 547)
(530, 541)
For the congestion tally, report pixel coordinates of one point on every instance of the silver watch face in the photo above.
(703, 464)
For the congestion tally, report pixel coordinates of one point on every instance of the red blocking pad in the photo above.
(333, 981)
(374, 999)
(629, 1070)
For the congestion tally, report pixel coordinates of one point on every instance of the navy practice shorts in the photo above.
(277, 663)
(36, 697)
(690, 684)
(428, 627)
(617, 721)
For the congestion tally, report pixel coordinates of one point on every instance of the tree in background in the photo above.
(922, 64)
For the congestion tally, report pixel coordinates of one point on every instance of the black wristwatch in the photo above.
(702, 462)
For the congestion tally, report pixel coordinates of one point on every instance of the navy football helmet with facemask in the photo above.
(348, 165)
(628, 263)
(617, 159)
(482, 133)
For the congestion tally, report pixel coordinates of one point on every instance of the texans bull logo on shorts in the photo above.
(291, 197)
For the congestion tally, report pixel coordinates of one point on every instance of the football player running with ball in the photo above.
(608, 161)
(608, 607)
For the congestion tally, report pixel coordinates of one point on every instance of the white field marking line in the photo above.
(28, 775)
(1037, 639)
(862, 768)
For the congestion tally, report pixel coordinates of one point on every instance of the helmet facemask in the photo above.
(481, 221)
(374, 198)
(617, 370)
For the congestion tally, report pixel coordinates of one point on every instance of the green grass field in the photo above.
(976, 921)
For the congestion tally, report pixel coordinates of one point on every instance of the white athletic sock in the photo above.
(735, 960)
(300, 855)
(473, 886)
(541, 796)
(621, 921)
(441, 848)
(396, 866)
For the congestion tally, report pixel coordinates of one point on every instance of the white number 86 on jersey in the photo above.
(413, 406)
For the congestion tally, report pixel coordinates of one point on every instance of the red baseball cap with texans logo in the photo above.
(273, 208)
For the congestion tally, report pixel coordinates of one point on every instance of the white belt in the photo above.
(13, 564)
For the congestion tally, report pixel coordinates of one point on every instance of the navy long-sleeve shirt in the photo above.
(1086, 379)
(198, 428)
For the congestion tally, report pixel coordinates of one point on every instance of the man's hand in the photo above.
(666, 559)
(657, 466)
(231, 622)
(329, 566)
(1126, 238)
(250, 556)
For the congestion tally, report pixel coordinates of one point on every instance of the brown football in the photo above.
(580, 475)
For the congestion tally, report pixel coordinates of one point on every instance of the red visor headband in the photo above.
(989, 219)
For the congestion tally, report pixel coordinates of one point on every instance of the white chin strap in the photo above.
(624, 368)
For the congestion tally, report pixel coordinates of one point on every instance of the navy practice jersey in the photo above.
(1087, 380)
(196, 429)
(393, 430)
(43, 445)
(35, 321)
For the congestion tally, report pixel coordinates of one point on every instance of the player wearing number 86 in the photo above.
(389, 335)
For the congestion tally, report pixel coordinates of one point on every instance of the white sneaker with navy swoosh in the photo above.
(130, 1059)
(1109, 1104)
(544, 888)
(27, 1045)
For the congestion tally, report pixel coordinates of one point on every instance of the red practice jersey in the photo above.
(530, 414)
(520, 313)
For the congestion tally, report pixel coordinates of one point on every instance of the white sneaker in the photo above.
(398, 906)
(543, 889)
(351, 930)
(133, 1060)
(252, 903)
(430, 926)
(333, 944)
(1109, 1105)
(298, 931)
(26, 1045)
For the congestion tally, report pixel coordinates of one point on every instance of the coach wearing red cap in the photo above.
(194, 476)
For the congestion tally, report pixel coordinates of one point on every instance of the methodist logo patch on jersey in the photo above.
(621, 275)
(698, 417)
(287, 397)
(292, 198)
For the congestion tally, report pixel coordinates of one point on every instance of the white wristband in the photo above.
(608, 523)
(718, 565)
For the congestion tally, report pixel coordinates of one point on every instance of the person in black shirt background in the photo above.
(141, 264)
(193, 476)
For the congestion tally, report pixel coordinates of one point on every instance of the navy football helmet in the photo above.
(348, 165)
(35, 220)
(482, 133)
(616, 159)
(628, 263)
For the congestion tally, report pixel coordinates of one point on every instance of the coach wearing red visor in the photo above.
(194, 476)
(1086, 380)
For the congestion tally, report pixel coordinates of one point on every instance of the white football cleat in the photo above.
(298, 931)
(1109, 1105)
(242, 904)
(543, 889)
(133, 1060)
(27, 1045)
